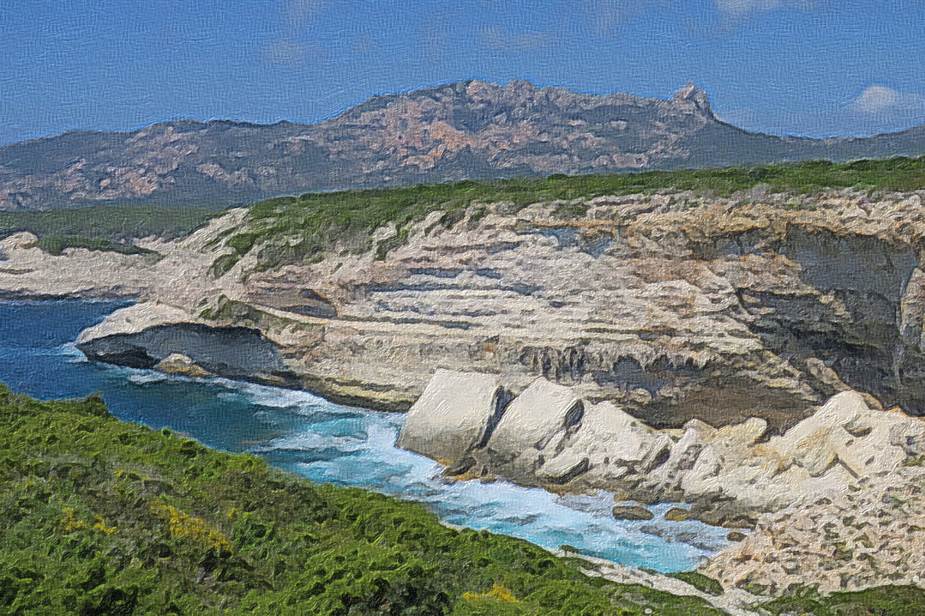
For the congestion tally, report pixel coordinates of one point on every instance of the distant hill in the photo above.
(467, 130)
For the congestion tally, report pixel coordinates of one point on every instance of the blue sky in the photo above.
(813, 67)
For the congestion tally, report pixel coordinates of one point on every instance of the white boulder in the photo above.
(177, 363)
(847, 432)
(615, 444)
(542, 413)
(453, 415)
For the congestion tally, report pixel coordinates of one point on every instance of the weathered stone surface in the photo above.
(631, 512)
(846, 431)
(540, 417)
(730, 475)
(676, 514)
(672, 306)
(177, 363)
(563, 468)
(146, 334)
(682, 457)
(870, 536)
(615, 443)
(910, 436)
(23, 240)
(455, 414)
(135, 319)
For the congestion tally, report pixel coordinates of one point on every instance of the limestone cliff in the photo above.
(673, 306)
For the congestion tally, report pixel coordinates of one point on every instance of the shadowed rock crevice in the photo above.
(852, 318)
(234, 352)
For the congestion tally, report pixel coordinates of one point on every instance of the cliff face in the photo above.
(466, 130)
(671, 306)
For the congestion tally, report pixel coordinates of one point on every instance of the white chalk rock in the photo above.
(453, 415)
(613, 440)
(533, 419)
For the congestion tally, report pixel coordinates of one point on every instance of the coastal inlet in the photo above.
(326, 442)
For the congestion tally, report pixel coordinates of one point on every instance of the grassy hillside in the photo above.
(104, 227)
(103, 517)
(301, 227)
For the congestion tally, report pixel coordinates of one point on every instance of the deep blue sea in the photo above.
(325, 442)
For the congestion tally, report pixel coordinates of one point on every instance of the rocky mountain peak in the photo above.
(695, 97)
(520, 86)
(462, 130)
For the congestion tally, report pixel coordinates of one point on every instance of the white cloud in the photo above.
(880, 100)
(297, 16)
(606, 15)
(741, 8)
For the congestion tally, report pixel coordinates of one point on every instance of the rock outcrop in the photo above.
(871, 535)
(177, 363)
(549, 436)
(149, 335)
(539, 418)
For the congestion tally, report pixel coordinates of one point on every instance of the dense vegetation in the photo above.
(56, 244)
(884, 601)
(289, 229)
(104, 227)
(103, 517)
(301, 227)
(99, 517)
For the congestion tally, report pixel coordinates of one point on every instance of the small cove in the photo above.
(325, 442)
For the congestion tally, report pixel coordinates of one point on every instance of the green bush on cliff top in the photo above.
(104, 227)
(98, 516)
(296, 228)
(55, 245)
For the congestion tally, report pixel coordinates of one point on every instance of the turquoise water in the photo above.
(325, 442)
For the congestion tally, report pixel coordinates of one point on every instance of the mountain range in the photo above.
(465, 130)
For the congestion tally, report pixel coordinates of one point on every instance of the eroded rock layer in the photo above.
(672, 306)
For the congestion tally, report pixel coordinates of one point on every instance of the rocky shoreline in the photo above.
(673, 306)
(836, 502)
(548, 436)
(871, 535)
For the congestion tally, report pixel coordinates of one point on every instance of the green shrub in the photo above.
(223, 264)
(881, 601)
(700, 582)
(116, 223)
(56, 245)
